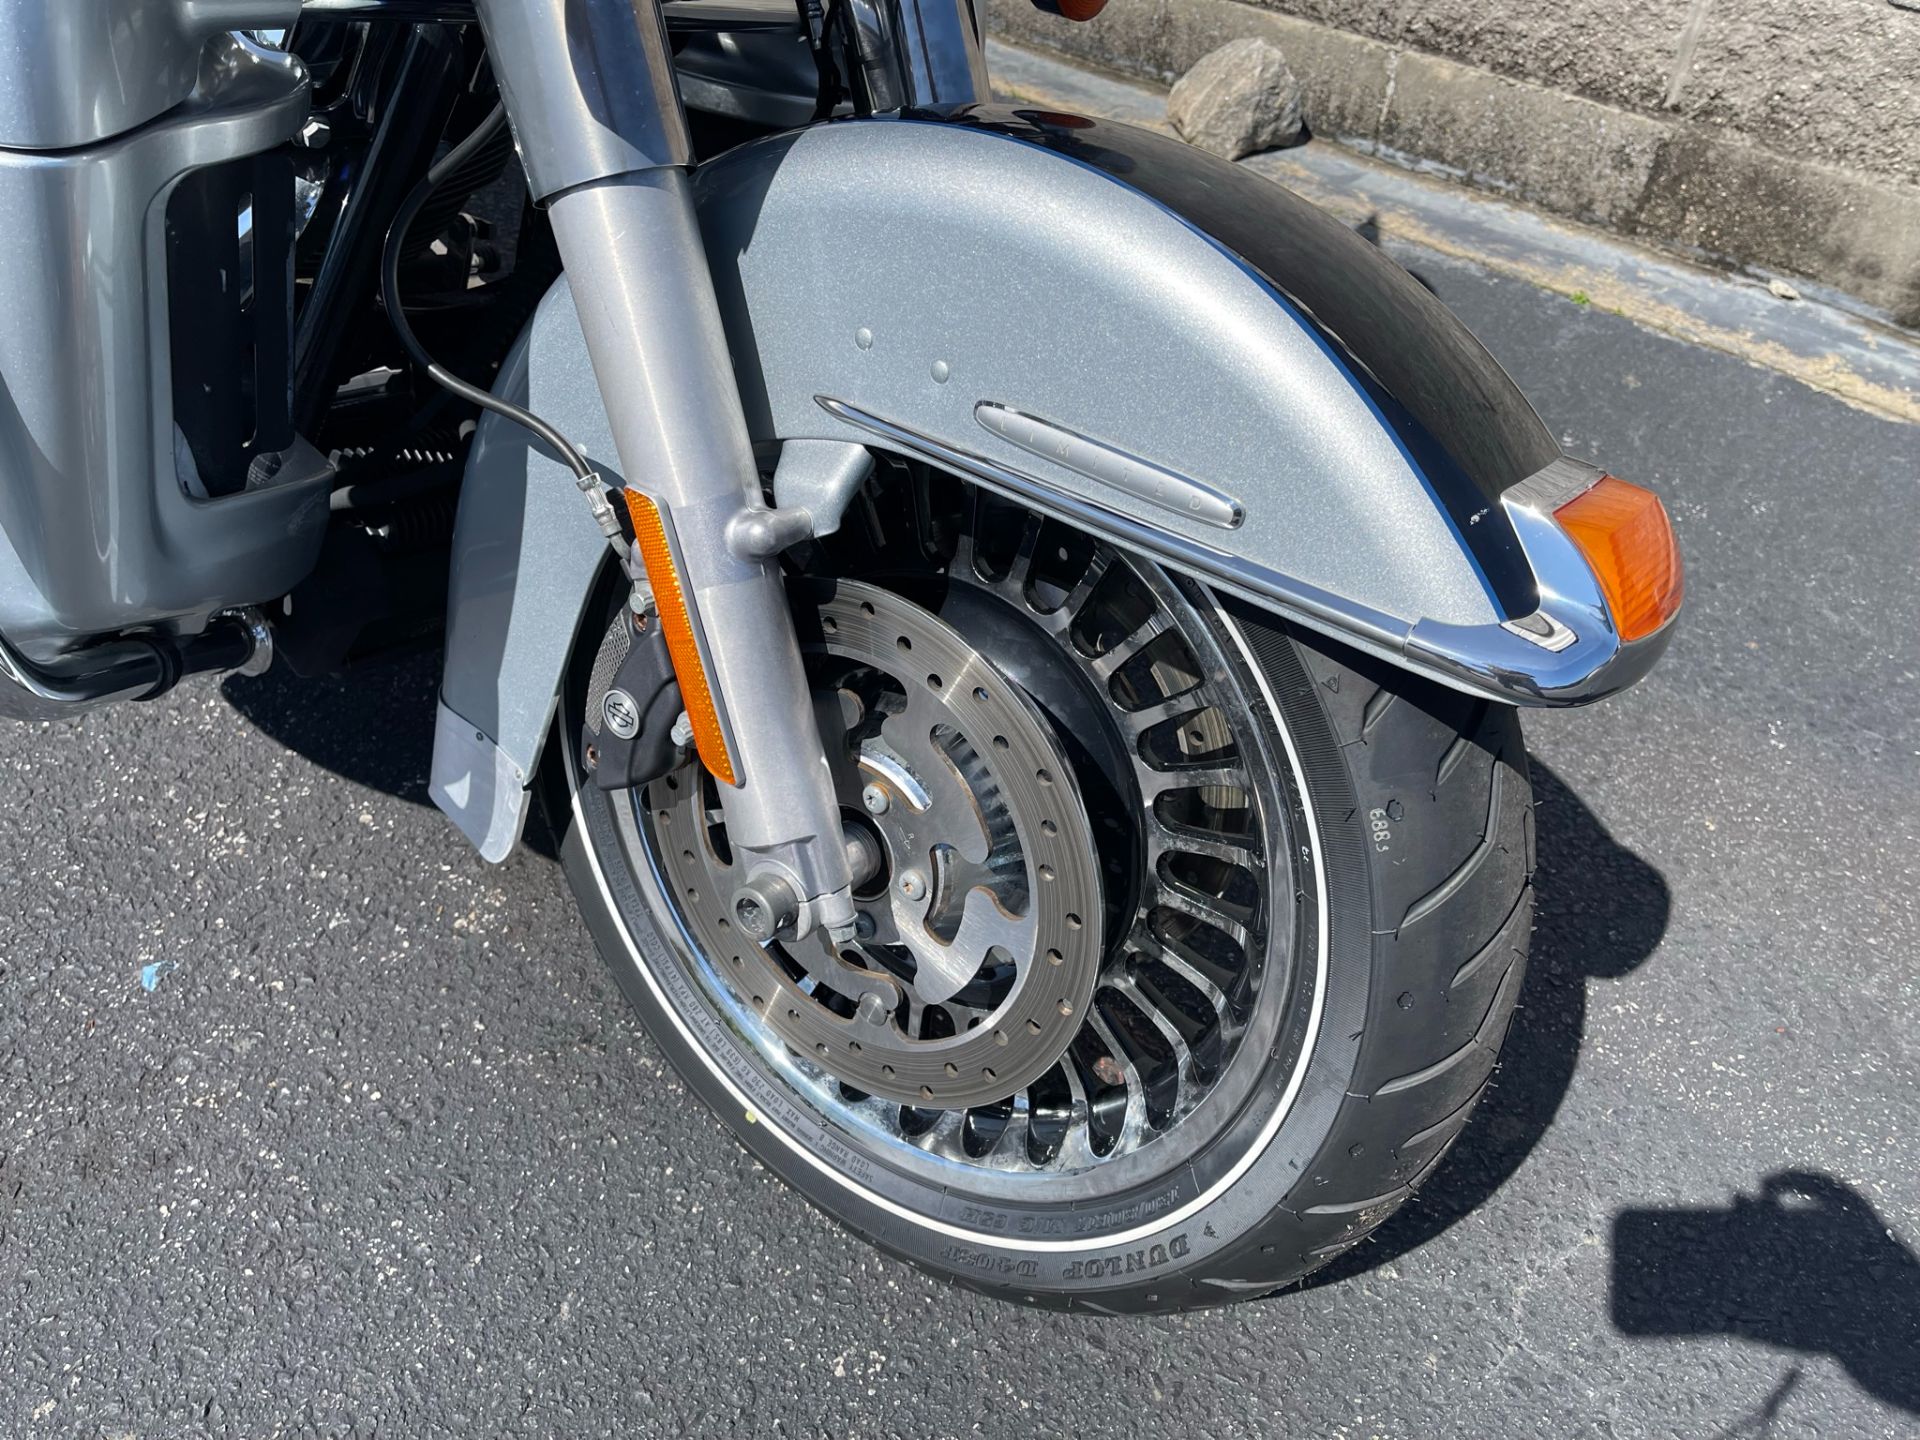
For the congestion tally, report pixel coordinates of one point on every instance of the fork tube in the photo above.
(590, 93)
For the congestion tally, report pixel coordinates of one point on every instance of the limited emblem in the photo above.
(622, 715)
(1097, 460)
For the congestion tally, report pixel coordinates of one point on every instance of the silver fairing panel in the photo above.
(76, 72)
(100, 529)
(910, 284)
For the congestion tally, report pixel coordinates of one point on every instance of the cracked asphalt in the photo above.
(313, 1124)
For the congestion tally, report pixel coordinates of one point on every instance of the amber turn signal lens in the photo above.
(1624, 533)
(670, 595)
(1071, 9)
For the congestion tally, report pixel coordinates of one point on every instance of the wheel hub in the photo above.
(985, 903)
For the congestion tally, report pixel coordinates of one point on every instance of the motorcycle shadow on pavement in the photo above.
(1600, 911)
(372, 726)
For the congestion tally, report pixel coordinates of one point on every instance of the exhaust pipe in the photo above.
(137, 667)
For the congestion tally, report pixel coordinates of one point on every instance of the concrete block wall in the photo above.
(1780, 134)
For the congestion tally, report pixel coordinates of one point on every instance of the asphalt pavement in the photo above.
(313, 1124)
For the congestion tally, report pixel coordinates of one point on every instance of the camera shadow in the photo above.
(1600, 911)
(1806, 1264)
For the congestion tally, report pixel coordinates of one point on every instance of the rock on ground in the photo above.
(1238, 99)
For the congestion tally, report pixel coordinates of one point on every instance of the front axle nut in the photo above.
(765, 906)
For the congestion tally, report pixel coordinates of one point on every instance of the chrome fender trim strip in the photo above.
(1111, 466)
(1565, 653)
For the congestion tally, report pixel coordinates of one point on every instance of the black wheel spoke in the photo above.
(1150, 1059)
(1021, 575)
(1129, 646)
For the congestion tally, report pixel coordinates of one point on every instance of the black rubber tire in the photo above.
(1424, 815)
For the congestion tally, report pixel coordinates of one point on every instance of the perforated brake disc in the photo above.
(980, 935)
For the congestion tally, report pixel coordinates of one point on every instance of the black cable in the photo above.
(390, 293)
(819, 23)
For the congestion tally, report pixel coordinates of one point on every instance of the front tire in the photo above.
(1394, 848)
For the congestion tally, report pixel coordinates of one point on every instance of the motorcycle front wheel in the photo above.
(1201, 933)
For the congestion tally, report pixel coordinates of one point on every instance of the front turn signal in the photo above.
(1071, 9)
(1627, 539)
(676, 624)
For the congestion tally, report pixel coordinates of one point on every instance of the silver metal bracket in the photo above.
(820, 478)
(759, 533)
(813, 484)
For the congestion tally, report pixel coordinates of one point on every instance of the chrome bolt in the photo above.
(913, 885)
(874, 797)
(765, 906)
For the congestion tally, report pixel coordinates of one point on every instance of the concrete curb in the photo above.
(1825, 346)
(1706, 193)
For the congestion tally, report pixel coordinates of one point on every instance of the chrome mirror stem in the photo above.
(920, 52)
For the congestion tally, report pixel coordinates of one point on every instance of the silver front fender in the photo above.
(1112, 327)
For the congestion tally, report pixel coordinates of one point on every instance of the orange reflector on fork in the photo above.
(1624, 533)
(676, 623)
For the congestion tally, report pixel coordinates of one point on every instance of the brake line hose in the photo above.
(586, 477)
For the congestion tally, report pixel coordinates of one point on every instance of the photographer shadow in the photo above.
(1600, 913)
(1806, 1265)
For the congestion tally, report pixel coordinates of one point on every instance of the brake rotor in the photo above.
(980, 937)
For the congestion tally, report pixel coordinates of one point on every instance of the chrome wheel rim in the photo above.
(1191, 964)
